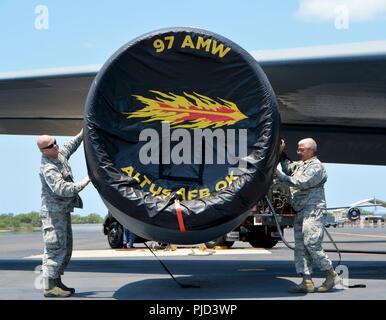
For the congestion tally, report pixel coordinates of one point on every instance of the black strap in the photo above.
(360, 285)
(334, 244)
(272, 209)
(167, 270)
(284, 156)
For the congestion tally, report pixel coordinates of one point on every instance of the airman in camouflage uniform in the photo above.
(59, 198)
(306, 179)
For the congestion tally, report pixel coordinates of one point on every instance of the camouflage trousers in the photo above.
(309, 232)
(57, 237)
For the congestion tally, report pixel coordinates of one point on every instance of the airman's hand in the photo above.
(85, 181)
(282, 145)
(280, 175)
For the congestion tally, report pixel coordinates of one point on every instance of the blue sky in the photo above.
(88, 32)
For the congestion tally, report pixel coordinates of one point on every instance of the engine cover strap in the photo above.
(179, 216)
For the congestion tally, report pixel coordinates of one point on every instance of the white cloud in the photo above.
(326, 10)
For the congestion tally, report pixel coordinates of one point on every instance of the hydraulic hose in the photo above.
(337, 250)
(361, 285)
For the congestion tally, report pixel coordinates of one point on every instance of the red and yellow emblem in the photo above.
(197, 113)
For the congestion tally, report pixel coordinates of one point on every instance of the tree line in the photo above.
(31, 221)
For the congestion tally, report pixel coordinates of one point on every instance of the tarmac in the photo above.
(239, 273)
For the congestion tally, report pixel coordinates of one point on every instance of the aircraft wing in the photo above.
(49, 101)
(360, 206)
(335, 94)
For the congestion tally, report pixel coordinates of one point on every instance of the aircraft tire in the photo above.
(115, 235)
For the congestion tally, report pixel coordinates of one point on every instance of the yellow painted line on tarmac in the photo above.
(359, 235)
(122, 253)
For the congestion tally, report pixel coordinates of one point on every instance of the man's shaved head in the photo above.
(44, 140)
(48, 146)
(307, 149)
(309, 143)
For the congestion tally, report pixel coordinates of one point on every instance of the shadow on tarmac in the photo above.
(236, 286)
(222, 279)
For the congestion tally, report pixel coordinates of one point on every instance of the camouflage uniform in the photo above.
(306, 180)
(59, 197)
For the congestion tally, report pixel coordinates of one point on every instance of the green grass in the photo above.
(31, 221)
(91, 218)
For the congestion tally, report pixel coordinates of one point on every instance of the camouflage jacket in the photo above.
(59, 191)
(306, 180)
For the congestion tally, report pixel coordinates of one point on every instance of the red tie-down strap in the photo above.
(179, 216)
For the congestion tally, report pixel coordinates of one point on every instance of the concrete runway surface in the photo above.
(243, 272)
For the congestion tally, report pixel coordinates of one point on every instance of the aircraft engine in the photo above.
(181, 135)
(353, 214)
